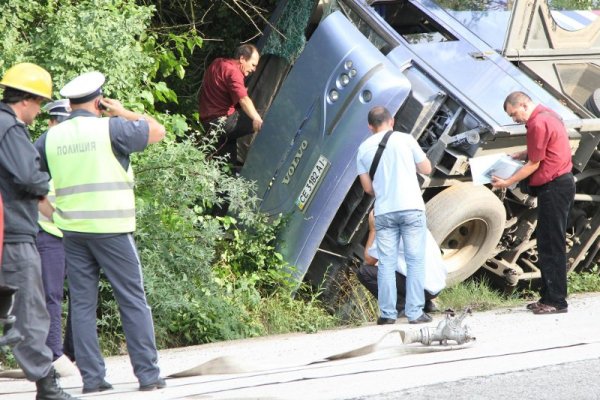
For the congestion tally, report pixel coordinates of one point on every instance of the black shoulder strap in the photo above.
(377, 157)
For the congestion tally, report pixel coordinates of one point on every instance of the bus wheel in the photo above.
(467, 222)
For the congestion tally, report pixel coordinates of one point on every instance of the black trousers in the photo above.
(367, 275)
(555, 200)
(236, 126)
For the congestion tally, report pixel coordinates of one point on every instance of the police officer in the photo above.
(88, 158)
(22, 185)
(52, 253)
(58, 111)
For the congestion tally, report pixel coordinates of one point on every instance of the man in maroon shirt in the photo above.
(548, 167)
(223, 93)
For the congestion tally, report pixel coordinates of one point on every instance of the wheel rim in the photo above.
(463, 243)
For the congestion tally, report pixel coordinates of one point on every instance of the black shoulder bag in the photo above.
(377, 157)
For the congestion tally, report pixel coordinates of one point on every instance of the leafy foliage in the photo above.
(115, 49)
(111, 36)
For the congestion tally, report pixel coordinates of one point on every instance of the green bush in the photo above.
(210, 278)
(178, 243)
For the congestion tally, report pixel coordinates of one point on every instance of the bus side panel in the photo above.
(303, 160)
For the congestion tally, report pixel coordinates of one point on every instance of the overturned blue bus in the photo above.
(444, 73)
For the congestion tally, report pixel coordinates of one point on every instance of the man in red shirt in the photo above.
(223, 93)
(548, 167)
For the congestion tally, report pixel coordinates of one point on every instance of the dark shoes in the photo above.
(159, 384)
(104, 386)
(423, 319)
(430, 307)
(385, 321)
(541, 308)
(546, 309)
(49, 389)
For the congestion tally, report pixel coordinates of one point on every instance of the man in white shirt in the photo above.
(399, 214)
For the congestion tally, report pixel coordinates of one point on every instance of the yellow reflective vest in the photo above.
(94, 194)
(47, 225)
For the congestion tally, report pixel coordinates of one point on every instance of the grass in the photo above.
(356, 306)
(476, 295)
(584, 282)
(283, 314)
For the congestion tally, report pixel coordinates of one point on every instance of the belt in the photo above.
(558, 179)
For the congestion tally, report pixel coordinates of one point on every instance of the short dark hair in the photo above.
(378, 116)
(515, 98)
(245, 50)
(58, 118)
(12, 96)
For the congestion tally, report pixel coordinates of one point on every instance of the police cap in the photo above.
(58, 108)
(84, 88)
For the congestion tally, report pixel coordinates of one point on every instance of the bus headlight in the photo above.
(343, 80)
(333, 96)
(366, 96)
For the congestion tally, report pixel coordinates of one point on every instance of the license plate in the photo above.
(312, 183)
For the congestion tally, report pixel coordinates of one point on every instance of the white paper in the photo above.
(436, 269)
(501, 165)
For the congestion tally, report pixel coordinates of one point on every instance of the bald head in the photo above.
(519, 106)
(516, 98)
(380, 118)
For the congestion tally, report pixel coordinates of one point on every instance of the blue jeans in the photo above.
(411, 227)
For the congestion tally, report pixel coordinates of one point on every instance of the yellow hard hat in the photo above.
(28, 78)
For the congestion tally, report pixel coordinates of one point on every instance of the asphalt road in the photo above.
(517, 355)
(574, 381)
